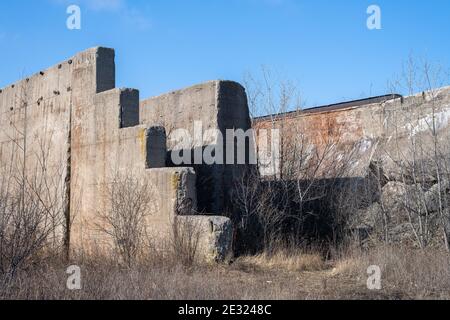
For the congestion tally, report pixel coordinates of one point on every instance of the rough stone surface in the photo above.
(215, 237)
(398, 211)
(394, 195)
(431, 197)
(368, 218)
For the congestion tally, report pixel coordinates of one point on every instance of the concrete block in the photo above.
(174, 186)
(214, 235)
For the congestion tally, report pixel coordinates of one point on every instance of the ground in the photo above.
(407, 274)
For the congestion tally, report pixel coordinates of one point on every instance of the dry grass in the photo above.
(283, 260)
(407, 274)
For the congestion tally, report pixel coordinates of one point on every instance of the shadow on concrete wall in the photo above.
(323, 219)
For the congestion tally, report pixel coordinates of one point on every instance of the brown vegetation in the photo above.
(407, 274)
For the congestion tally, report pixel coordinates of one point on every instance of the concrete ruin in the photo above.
(93, 130)
(378, 129)
(88, 131)
(390, 154)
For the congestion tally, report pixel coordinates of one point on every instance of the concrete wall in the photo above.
(103, 147)
(89, 131)
(219, 105)
(107, 140)
(36, 116)
(93, 133)
(359, 135)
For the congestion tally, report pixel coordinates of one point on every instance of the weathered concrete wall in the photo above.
(92, 132)
(353, 137)
(107, 140)
(217, 105)
(36, 116)
(101, 148)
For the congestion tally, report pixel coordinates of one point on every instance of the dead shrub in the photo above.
(185, 241)
(130, 202)
(32, 213)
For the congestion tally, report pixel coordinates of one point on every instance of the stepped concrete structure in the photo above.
(88, 132)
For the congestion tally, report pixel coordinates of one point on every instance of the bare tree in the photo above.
(256, 201)
(185, 240)
(287, 204)
(416, 154)
(32, 195)
(130, 203)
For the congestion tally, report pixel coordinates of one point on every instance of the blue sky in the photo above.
(163, 45)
